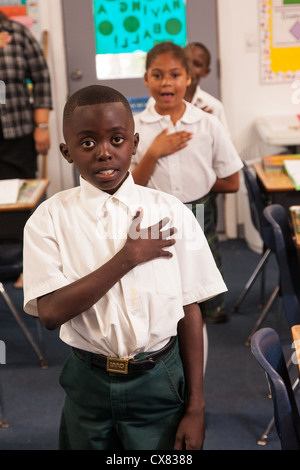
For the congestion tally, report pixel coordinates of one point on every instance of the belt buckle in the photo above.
(115, 364)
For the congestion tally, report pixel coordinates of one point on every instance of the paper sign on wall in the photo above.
(126, 30)
(280, 40)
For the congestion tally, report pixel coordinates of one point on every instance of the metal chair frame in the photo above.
(267, 350)
(286, 254)
(257, 206)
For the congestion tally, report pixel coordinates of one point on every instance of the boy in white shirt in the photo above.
(120, 269)
(199, 59)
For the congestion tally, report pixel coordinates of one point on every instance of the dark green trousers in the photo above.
(215, 304)
(110, 411)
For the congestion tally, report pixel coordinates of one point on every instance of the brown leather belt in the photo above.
(128, 365)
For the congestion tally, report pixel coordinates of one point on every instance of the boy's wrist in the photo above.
(152, 156)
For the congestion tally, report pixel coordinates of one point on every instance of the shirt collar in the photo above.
(94, 199)
(150, 115)
(198, 96)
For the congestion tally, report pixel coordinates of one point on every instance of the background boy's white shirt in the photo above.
(202, 99)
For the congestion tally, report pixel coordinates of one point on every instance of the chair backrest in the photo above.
(288, 262)
(11, 260)
(267, 349)
(257, 205)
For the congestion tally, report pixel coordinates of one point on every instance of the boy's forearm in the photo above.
(67, 302)
(226, 185)
(190, 337)
(191, 430)
(144, 169)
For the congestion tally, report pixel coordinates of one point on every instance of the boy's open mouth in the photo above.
(107, 173)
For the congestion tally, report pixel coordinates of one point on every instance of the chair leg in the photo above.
(3, 422)
(43, 362)
(262, 441)
(263, 314)
(251, 280)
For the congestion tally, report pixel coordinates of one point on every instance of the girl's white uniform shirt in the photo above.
(78, 230)
(190, 173)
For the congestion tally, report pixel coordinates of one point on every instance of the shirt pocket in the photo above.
(159, 276)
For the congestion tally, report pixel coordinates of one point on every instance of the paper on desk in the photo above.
(9, 190)
(292, 167)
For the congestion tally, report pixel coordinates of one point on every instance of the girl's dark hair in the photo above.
(164, 47)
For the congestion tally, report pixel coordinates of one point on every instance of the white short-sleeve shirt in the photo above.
(201, 99)
(190, 173)
(77, 230)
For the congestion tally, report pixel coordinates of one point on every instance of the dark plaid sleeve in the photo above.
(38, 72)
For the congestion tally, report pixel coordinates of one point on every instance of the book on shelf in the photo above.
(292, 168)
(276, 162)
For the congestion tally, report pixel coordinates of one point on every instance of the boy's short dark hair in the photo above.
(163, 48)
(94, 94)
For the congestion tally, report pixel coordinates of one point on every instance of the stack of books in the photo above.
(276, 162)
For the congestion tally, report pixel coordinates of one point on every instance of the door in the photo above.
(81, 46)
(201, 26)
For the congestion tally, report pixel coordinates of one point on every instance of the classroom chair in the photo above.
(267, 349)
(257, 206)
(285, 250)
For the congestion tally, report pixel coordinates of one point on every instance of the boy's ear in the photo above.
(65, 152)
(189, 79)
(207, 72)
(135, 143)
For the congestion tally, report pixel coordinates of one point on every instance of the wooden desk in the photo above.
(13, 217)
(277, 186)
(273, 181)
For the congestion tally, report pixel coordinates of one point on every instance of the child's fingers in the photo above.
(135, 226)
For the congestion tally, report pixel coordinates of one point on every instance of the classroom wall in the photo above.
(244, 96)
(59, 171)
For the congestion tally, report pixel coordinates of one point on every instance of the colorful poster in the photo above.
(126, 30)
(128, 26)
(280, 40)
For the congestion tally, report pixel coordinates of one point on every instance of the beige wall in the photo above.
(59, 172)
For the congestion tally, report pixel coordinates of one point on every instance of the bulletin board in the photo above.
(280, 40)
(25, 12)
